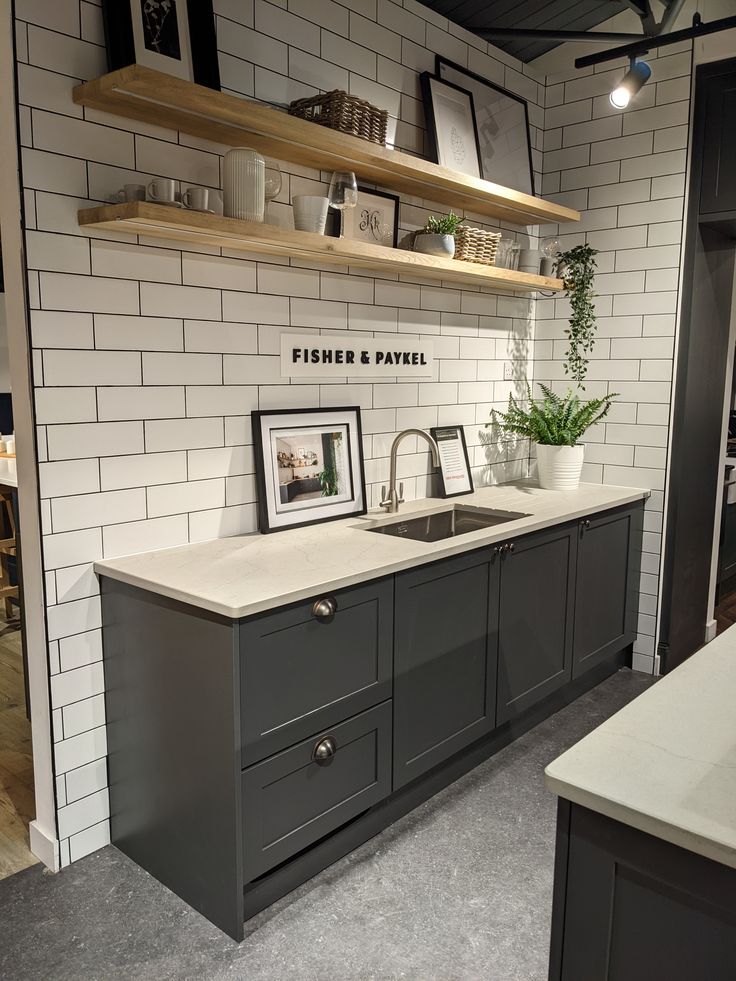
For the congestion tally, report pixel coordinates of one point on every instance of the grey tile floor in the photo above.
(458, 890)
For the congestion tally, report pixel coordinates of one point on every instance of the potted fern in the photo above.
(438, 236)
(555, 423)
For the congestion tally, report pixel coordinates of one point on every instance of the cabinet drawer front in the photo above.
(290, 800)
(301, 673)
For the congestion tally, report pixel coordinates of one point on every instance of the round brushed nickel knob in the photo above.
(510, 546)
(324, 750)
(325, 609)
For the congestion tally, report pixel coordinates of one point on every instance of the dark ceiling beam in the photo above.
(521, 34)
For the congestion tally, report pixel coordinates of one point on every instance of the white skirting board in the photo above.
(44, 846)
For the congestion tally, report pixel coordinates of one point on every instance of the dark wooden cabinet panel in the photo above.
(718, 187)
(300, 674)
(535, 619)
(292, 800)
(630, 907)
(444, 661)
(607, 586)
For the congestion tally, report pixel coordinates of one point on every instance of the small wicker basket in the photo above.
(476, 245)
(345, 113)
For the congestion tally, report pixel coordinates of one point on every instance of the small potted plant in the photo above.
(555, 423)
(438, 236)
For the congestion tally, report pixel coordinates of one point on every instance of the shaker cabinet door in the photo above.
(444, 661)
(607, 586)
(535, 619)
(718, 187)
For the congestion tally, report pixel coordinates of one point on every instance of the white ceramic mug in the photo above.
(244, 184)
(131, 192)
(310, 213)
(162, 190)
(196, 198)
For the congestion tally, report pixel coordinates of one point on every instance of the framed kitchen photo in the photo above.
(176, 37)
(455, 475)
(502, 125)
(450, 117)
(309, 466)
(375, 218)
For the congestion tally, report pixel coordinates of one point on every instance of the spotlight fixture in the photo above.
(632, 82)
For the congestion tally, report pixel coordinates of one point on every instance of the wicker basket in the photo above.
(343, 112)
(476, 245)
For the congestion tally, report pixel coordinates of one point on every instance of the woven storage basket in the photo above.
(476, 245)
(343, 112)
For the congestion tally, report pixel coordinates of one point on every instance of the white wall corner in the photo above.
(44, 846)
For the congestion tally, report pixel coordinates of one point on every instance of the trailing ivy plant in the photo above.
(578, 275)
(554, 420)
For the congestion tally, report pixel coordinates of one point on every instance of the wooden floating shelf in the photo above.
(149, 96)
(144, 218)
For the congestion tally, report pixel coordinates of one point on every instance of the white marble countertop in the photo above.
(666, 764)
(247, 574)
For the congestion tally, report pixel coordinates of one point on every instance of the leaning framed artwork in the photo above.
(309, 466)
(176, 37)
(374, 220)
(502, 124)
(455, 475)
(450, 117)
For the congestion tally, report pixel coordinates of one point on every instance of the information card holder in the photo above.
(455, 476)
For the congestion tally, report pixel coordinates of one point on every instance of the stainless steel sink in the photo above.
(457, 520)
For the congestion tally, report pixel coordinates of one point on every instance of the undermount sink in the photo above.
(457, 520)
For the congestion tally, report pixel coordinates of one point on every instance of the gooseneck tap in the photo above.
(393, 500)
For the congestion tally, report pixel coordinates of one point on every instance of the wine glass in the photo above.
(343, 193)
(272, 180)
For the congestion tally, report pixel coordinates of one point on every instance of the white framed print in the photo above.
(455, 475)
(450, 116)
(309, 466)
(375, 218)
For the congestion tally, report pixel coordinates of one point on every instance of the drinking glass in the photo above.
(343, 193)
(272, 180)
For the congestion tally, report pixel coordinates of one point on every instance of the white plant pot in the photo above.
(560, 466)
(431, 244)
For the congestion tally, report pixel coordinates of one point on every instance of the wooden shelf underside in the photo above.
(149, 96)
(144, 218)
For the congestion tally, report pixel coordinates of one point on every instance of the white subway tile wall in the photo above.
(629, 172)
(149, 358)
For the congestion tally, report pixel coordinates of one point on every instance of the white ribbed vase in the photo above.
(560, 466)
(244, 184)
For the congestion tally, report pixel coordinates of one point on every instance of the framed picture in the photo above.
(451, 125)
(455, 475)
(502, 124)
(374, 219)
(173, 36)
(309, 466)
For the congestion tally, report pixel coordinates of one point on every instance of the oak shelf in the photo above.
(144, 218)
(141, 93)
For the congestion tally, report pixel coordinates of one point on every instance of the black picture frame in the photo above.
(273, 516)
(440, 433)
(117, 16)
(479, 80)
(426, 80)
(335, 225)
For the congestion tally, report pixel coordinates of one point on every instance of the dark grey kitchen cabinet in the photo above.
(607, 586)
(631, 907)
(718, 182)
(444, 660)
(536, 607)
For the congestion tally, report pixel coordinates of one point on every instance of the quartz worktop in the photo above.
(247, 574)
(666, 764)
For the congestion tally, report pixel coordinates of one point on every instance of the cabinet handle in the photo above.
(324, 751)
(325, 609)
(510, 546)
(584, 525)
